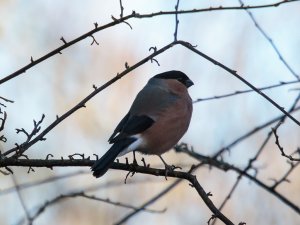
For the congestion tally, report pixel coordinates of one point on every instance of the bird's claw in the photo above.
(171, 168)
(134, 162)
(132, 168)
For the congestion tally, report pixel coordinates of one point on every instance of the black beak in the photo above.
(189, 83)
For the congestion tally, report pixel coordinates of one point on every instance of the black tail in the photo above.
(101, 166)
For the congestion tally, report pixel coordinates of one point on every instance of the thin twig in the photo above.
(138, 169)
(219, 8)
(40, 182)
(252, 160)
(151, 201)
(7, 100)
(234, 73)
(122, 9)
(282, 83)
(122, 20)
(271, 42)
(253, 131)
(28, 217)
(3, 120)
(82, 103)
(129, 69)
(213, 161)
(20, 149)
(274, 131)
(176, 20)
(59, 198)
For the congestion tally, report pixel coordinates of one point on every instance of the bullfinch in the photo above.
(158, 118)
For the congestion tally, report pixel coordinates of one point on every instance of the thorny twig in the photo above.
(6, 99)
(151, 201)
(40, 182)
(176, 20)
(124, 18)
(82, 103)
(122, 8)
(282, 83)
(235, 74)
(61, 197)
(28, 217)
(252, 160)
(271, 42)
(20, 149)
(3, 120)
(138, 169)
(214, 162)
(126, 71)
(290, 157)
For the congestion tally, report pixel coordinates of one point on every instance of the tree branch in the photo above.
(226, 167)
(156, 52)
(125, 18)
(266, 36)
(234, 73)
(282, 83)
(137, 169)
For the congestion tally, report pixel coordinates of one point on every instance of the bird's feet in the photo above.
(132, 167)
(168, 168)
(134, 163)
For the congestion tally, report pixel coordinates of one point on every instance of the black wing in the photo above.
(131, 125)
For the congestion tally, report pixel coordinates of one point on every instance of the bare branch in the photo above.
(40, 182)
(151, 201)
(213, 161)
(250, 164)
(122, 9)
(123, 19)
(176, 20)
(20, 149)
(82, 194)
(7, 100)
(290, 157)
(28, 217)
(119, 76)
(271, 42)
(3, 120)
(282, 83)
(138, 169)
(220, 8)
(94, 40)
(234, 73)
(85, 100)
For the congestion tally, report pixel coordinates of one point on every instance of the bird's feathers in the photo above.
(102, 165)
(133, 125)
(154, 98)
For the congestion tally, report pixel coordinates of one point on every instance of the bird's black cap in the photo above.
(178, 75)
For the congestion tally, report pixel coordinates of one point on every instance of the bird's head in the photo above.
(177, 75)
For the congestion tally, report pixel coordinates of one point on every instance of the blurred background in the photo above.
(54, 86)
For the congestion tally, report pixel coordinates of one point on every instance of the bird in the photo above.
(157, 119)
